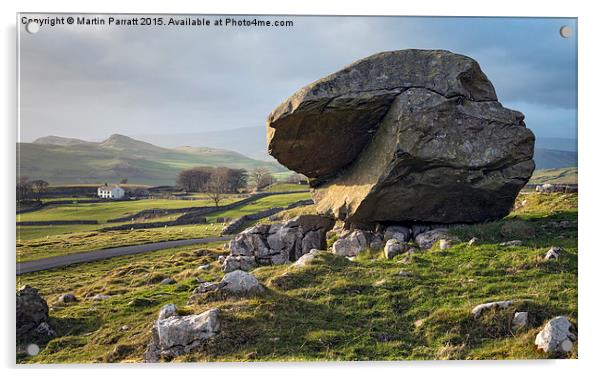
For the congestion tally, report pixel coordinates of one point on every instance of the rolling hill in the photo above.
(63, 160)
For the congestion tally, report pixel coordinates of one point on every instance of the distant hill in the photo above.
(64, 160)
(552, 158)
(557, 176)
(250, 141)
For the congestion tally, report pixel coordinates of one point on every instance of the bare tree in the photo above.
(38, 187)
(218, 185)
(23, 188)
(261, 177)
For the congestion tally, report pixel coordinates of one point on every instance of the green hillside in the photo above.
(61, 160)
(556, 176)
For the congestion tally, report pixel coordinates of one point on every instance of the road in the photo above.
(95, 255)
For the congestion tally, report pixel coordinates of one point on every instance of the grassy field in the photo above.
(335, 309)
(35, 242)
(558, 176)
(110, 209)
(282, 187)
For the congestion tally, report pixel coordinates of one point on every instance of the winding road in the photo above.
(95, 255)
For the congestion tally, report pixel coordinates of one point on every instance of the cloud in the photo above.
(90, 82)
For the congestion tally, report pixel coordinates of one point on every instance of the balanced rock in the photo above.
(405, 136)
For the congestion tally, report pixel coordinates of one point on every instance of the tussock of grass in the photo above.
(334, 309)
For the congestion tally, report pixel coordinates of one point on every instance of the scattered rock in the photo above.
(478, 310)
(67, 298)
(553, 253)
(352, 243)
(221, 259)
(400, 136)
(377, 242)
(282, 243)
(400, 233)
(167, 281)
(473, 241)
(167, 311)
(427, 239)
(520, 321)
(204, 267)
(32, 312)
(241, 282)
(44, 330)
(206, 287)
(512, 243)
(556, 336)
(139, 302)
(306, 259)
(395, 247)
(238, 262)
(418, 323)
(445, 244)
(100, 297)
(177, 335)
(124, 328)
(405, 274)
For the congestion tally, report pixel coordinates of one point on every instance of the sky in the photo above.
(89, 82)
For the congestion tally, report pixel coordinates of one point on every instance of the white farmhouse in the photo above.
(110, 192)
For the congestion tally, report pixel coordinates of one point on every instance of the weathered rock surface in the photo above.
(556, 336)
(394, 247)
(240, 282)
(306, 259)
(520, 320)
(553, 253)
(351, 244)
(32, 314)
(278, 243)
(479, 309)
(427, 239)
(67, 298)
(405, 136)
(174, 335)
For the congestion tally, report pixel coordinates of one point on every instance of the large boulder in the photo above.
(278, 243)
(405, 136)
(32, 314)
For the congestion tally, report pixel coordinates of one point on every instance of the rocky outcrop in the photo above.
(556, 336)
(173, 335)
(32, 315)
(405, 136)
(278, 243)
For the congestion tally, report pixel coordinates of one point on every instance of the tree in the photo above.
(217, 186)
(194, 179)
(261, 177)
(124, 181)
(23, 188)
(39, 187)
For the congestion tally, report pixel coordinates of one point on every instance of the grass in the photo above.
(557, 176)
(282, 187)
(334, 309)
(260, 205)
(109, 210)
(35, 242)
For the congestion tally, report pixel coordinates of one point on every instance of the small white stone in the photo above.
(566, 346)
